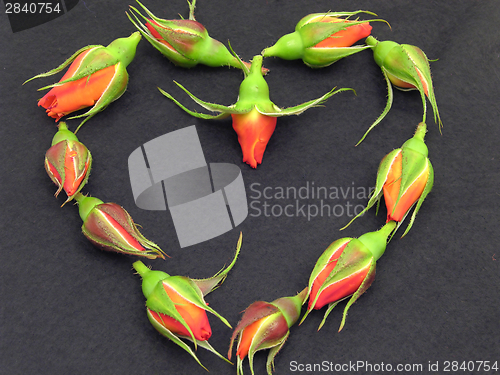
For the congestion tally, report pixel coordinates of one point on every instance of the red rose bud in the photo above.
(109, 227)
(321, 39)
(254, 114)
(407, 68)
(96, 77)
(184, 42)
(346, 268)
(176, 307)
(265, 325)
(405, 176)
(68, 162)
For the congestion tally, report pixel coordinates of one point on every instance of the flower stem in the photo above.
(421, 130)
(141, 268)
(371, 41)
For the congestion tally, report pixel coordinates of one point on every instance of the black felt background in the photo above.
(68, 308)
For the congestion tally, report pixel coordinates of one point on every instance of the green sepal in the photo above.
(160, 302)
(422, 64)
(325, 56)
(207, 346)
(53, 157)
(427, 190)
(208, 285)
(272, 354)
(169, 53)
(64, 64)
(253, 93)
(262, 343)
(188, 289)
(323, 261)
(298, 109)
(224, 110)
(403, 67)
(311, 17)
(94, 61)
(331, 306)
(388, 105)
(382, 173)
(367, 282)
(414, 164)
(416, 170)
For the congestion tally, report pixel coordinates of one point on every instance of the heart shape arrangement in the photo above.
(175, 305)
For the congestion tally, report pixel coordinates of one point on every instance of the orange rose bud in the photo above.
(96, 77)
(405, 177)
(254, 114)
(68, 162)
(195, 317)
(321, 39)
(185, 42)
(405, 67)
(346, 268)
(265, 325)
(109, 227)
(254, 130)
(176, 306)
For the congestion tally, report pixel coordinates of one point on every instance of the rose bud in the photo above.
(254, 114)
(176, 307)
(265, 325)
(186, 43)
(405, 176)
(68, 162)
(346, 268)
(320, 39)
(109, 227)
(407, 68)
(96, 77)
